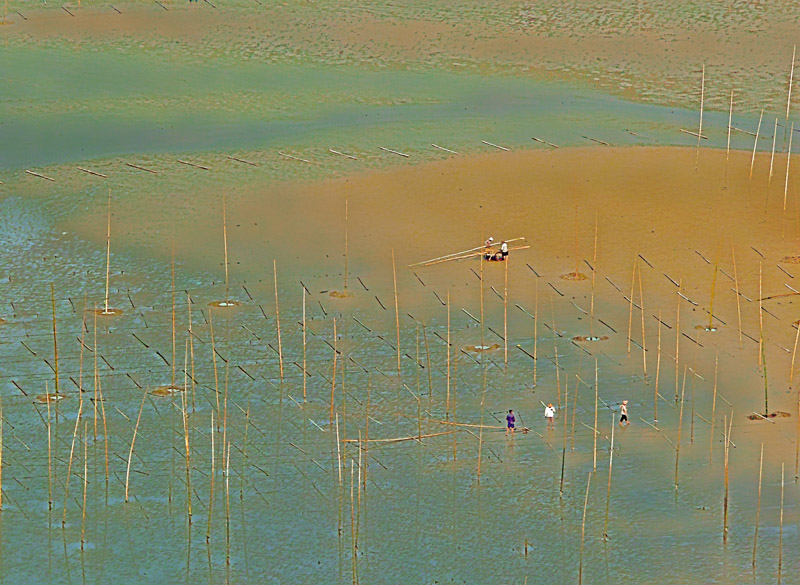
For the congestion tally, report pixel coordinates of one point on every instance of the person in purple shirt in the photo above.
(510, 421)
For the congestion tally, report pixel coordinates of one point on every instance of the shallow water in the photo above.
(280, 512)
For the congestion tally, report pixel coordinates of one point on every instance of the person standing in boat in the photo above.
(487, 248)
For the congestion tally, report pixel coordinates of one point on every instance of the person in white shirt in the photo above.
(503, 250)
(623, 413)
(550, 414)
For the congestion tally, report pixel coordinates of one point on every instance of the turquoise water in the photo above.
(140, 104)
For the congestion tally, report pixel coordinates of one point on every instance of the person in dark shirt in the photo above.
(510, 421)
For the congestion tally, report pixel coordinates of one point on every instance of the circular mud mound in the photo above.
(107, 312)
(574, 276)
(790, 260)
(340, 295)
(224, 304)
(482, 348)
(776, 414)
(169, 390)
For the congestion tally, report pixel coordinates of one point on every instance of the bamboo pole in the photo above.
(644, 341)
(49, 454)
(594, 428)
(108, 252)
(713, 290)
(758, 507)
(594, 273)
(397, 312)
(85, 481)
(214, 361)
(658, 371)
(794, 354)
(564, 447)
(780, 531)
(227, 506)
(133, 443)
(191, 346)
(483, 392)
(713, 409)
(788, 160)
(447, 401)
(680, 426)
(630, 302)
(728, 147)
(797, 443)
(225, 244)
(96, 374)
(278, 315)
(55, 336)
(738, 302)
(791, 79)
(213, 475)
(71, 452)
(725, 502)
(536, 333)
(678, 340)
(333, 377)
(610, 469)
(345, 236)
(304, 343)
(505, 314)
(172, 382)
(1, 455)
(772, 156)
(755, 144)
(187, 450)
(105, 428)
(583, 529)
(700, 130)
(574, 412)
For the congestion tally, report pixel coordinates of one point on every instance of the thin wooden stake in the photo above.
(278, 316)
(55, 336)
(755, 143)
(304, 343)
(700, 130)
(658, 371)
(610, 469)
(758, 507)
(772, 156)
(780, 529)
(788, 160)
(725, 501)
(49, 454)
(594, 428)
(85, 480)
(644, 341)
(583, 529)
(505, 314)
(728, 147)
(630, 308)
(678, 340)
(738, 302)
(213, 476)
(713, 409)
(108, 252)
(133, 443)
(397, 312)
(680, 426)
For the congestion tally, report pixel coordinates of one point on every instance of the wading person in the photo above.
(550, 415)
(510, 422)
(503, 250)
(623, 413)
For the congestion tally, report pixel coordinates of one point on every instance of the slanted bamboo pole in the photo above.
(583, 529)
(610, 469)
(594, 428)
(713, 290)
(447, 401)
(187, 450)
(333, 377)
(630, 302)
(791, 79)
(644, 341)
(397, 311)
(794, 354)
(728, 147)
(658, 371)
(755, 143)
(55, 336)
(225, 244)
(304, 343)
(772, 156)
(213, 476)
(49, 454)
(738, 302)
(713, 409)
(758, 506)
(788, 160)
(727, 482)
(780, 531)
(700, 130)
(564, 447)
(505, 314)
(680, 426)
(133, 443)
(85, 480)
(277, 315)
(678, 340)
(214, 361)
